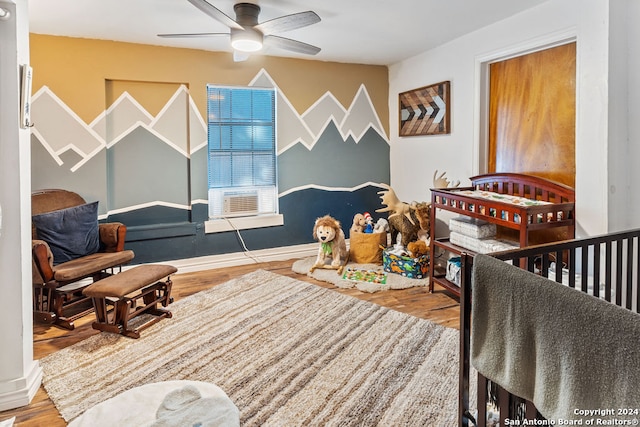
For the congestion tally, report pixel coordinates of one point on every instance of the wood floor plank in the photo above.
(440, 307)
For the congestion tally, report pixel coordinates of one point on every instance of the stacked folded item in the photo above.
(477, 235)
(481, 246)
(472, 227)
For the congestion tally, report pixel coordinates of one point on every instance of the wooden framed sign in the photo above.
(425, 111)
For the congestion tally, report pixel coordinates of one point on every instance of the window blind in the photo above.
(241, 146)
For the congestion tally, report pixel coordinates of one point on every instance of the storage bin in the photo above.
(413, 268)
(453, 270)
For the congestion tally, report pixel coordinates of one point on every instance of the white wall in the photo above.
(414, 159)
(20, 375)
(632, 215)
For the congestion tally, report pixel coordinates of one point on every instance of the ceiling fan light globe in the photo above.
(246, 41)
(246, 45)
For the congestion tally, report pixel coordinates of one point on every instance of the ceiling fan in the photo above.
(247, 35)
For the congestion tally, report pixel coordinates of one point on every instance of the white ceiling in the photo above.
(378, 32)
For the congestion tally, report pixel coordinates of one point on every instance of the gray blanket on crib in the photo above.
(555, 346)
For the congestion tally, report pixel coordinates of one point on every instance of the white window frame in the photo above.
(239, 207)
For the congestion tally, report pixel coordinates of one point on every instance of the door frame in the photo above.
(480, 154)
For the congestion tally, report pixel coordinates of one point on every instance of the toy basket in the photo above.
(413, 268)
(366, 248)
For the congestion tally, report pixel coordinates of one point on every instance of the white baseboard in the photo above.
(19, 392)
(189, 265)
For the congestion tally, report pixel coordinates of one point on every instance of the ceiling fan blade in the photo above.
(287, 22)
(192, 35)
(292, 45)
(215, 13)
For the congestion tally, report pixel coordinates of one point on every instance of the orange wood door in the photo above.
(532, 114)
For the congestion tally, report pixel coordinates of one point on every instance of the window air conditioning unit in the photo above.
(235, 202)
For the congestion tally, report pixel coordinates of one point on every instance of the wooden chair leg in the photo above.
(42, 296)
(58, 305)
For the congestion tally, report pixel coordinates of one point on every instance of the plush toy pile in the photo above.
(367, 238)
(407, 223)
(363, 223)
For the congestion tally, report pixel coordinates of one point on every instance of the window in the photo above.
(242, 151)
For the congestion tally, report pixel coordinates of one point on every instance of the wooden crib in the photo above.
(604, 266)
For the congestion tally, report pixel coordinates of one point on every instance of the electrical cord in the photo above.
(246, 251)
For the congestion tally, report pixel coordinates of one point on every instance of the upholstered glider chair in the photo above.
(71, 250)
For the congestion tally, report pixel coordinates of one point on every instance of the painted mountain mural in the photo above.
(151, 171)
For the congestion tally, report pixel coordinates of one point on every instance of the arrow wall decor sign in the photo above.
(425, 111)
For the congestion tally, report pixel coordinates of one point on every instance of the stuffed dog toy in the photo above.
(328, 232)
(358, 223)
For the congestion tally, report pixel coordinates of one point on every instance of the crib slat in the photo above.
(559, 266)
(531, 264)
(596, 270)
(629, 278)
(546, 263)
(584, 274)
(572, 267)
(636, 268)
(607, 278)
(619, 272)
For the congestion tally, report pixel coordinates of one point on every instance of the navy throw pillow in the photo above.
(71, 233)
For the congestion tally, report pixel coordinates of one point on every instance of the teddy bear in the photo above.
(328, 232)
(382, 226)
(417, 249)
(358, 223)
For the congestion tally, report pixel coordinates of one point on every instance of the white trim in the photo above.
(243, 223)
(21, 391)
(148, 205)
(151, 130)
(124, 96)
(190, 265)
(325, 188)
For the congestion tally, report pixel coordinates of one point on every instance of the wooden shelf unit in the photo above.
(558, 211)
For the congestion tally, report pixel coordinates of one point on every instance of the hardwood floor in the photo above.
(440, 307)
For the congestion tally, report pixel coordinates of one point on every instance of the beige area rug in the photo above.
(394, 281)
(286, 352)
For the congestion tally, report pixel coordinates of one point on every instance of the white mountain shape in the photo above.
(323, 111)
(360, 117)
(120, 118)
(60, 129)
(126, 114)
(308, 127)
(295, 130)
(51, 115)
(171, 122)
